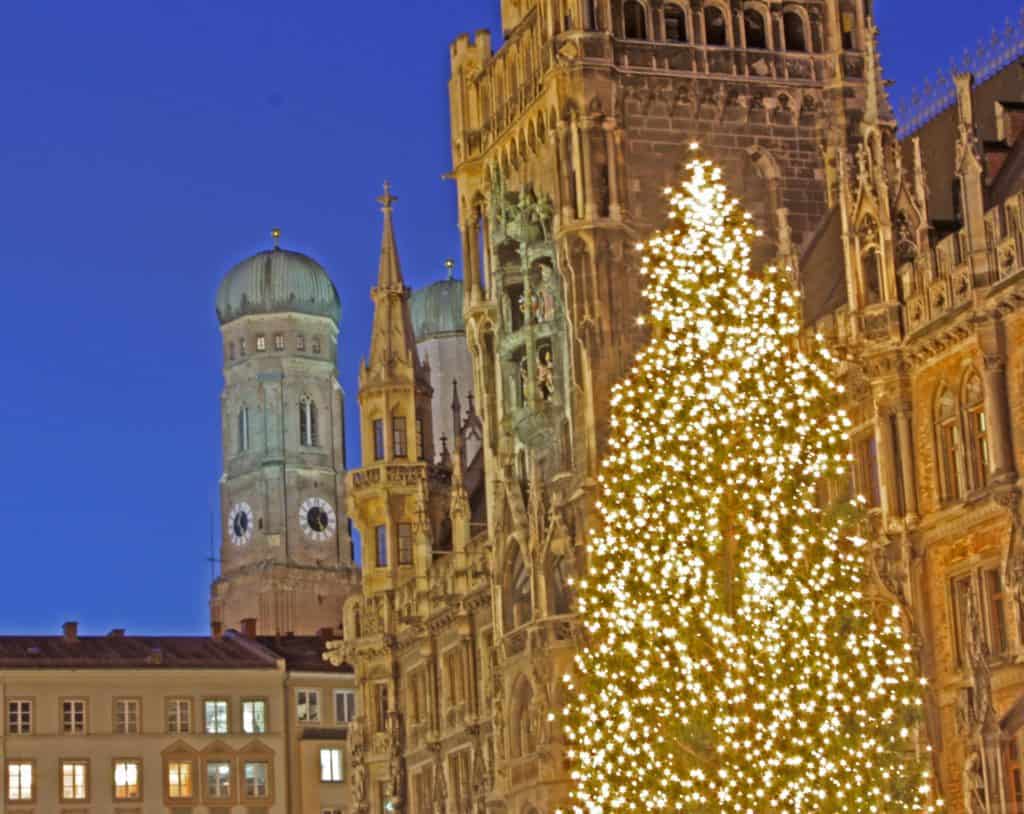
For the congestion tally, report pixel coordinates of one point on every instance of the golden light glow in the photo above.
(736, 660)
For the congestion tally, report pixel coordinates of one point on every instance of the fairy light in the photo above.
(735, 659)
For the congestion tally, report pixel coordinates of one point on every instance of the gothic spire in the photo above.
(393, 340)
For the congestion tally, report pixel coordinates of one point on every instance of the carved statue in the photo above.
(973, 784)
(546, 375)
(524, 378)
(542, 214)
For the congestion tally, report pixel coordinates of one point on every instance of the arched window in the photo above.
(560, 599)
(949, 443)
(753, 29)
(675, 24)
(714, 26)
(976, 426)
(518, 604)
(796, 34)
(243, 429)
(520, 719)
(308, 431)
(848, 24)
(635, 20)
(872, 276)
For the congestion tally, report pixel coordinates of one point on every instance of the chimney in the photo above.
(71, 631)
(116, 633)
(216, 629)
(249, 628)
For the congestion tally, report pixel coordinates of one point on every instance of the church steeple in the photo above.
(393, 344)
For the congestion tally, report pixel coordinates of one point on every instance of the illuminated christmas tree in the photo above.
(736, 661)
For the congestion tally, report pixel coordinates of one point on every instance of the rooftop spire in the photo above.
(390, 269)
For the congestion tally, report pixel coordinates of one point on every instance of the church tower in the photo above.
(286, 553)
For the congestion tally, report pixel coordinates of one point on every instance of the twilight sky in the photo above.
(145, 147)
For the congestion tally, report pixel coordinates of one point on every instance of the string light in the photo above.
(736, 661)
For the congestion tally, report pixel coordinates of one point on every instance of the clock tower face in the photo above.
(240, 523)
(317, 519)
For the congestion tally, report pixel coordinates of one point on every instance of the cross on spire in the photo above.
(387, 200)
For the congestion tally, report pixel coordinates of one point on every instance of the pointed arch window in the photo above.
(675, 23)
(518, 604)
(399, 437)
(635, 20)
(754, 30)
(243, 430)
(976, 427)
(309, 435)
(949, 443)
(872, 276)
(795, 32)
(714, 26)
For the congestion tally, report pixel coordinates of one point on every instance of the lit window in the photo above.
(261, 343)
(254, 717)
(126, 716)
(330, 766)
(20, 781)
(307, 706)
(344, 706)
(179, 780)
(405, 544)
(74, 780)
(382, 546)
(308, 430)
(378, 440)
(949, 442)
(399, 440)
(73, 717)
(300, 343)
(126, 780)
(278, 342)
(19, 717)
(179, 716)
(218, 780)
(976, 425)
(256, 780)
(215, 715)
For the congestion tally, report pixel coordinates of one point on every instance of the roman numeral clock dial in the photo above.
(240, 523)
(317, 519)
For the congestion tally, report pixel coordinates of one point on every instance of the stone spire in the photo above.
(878, 110)
(393, 344)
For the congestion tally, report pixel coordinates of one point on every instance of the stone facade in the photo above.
(562, 141)
(917, 279)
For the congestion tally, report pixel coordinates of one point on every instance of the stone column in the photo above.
(563, 140)
(576, 157)
(887, 480)
(904, 431)
(1001, 463)
(611, 135)
(588, 199)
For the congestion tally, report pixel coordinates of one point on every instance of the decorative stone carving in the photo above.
(974, 784)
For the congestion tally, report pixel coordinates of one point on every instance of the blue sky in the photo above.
(145, 147)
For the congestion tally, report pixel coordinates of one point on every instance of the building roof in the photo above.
(133, 652)
(437, 309)
(277, 281)
(823, 269)
(302, 653)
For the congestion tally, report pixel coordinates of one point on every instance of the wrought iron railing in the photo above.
(1003, 46)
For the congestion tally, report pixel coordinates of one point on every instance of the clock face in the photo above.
(240, 523)
(317, 519)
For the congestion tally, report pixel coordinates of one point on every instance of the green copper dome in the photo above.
(437, 309)
(277, 281)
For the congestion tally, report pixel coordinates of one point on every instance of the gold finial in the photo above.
(387, 200)
(276, 234)
(450, 265)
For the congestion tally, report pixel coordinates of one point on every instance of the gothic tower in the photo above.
(562, 142)
(286, 554)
